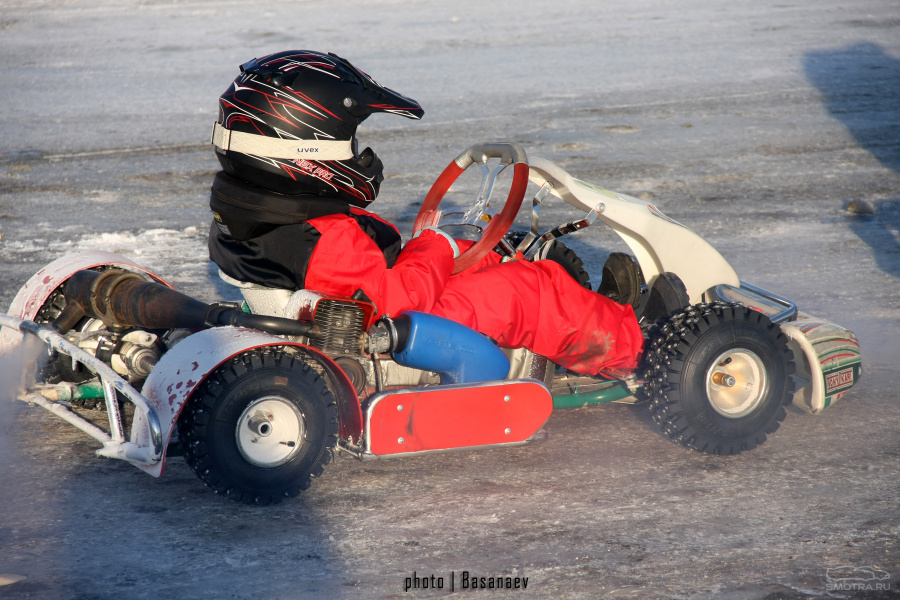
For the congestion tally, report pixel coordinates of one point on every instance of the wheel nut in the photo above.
(723, 379)
(260, 425)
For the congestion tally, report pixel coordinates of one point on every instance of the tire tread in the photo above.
(193, 421)
(664, 362)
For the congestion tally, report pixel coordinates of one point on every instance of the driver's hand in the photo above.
(444, 235)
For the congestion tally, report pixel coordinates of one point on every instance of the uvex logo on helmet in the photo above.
(287, 109)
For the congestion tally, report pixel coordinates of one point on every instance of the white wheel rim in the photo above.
(736, 383)
(270, 431)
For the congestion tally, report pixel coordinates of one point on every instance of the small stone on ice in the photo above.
(861, 207)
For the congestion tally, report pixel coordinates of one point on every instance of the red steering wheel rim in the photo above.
(500, 224)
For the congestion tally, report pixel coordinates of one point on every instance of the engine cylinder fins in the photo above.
(340, 325)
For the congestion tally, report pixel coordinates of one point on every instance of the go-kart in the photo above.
(260, 395)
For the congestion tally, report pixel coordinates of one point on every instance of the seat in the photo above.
(262, 300)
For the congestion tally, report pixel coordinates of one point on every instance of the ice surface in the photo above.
(753, 122)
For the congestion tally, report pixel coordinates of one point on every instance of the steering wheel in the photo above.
(481, 213)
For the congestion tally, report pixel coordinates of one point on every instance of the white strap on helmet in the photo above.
(272, 147)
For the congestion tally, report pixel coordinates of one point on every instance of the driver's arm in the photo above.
(345, 259)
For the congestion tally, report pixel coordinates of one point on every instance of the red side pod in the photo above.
(456, 416)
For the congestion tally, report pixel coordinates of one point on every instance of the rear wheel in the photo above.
(260, 427)
(718, 377)
(60, 367)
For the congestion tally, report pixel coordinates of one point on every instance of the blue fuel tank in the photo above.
(457, 353)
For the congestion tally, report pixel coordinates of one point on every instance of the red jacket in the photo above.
(535, 305)
(346, 259)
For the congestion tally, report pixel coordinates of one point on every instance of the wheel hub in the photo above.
(736, 383)
(270, 431)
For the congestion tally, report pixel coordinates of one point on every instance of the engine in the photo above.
(341, 327)
(131, 352)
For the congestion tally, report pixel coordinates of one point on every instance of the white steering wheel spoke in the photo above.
(482, 204)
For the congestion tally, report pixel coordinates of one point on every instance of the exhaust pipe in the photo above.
(124, 299)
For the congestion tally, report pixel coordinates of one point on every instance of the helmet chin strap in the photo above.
(272, 147)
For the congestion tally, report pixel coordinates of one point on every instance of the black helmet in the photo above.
(288, 124)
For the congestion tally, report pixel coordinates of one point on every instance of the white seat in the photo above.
(262, 300)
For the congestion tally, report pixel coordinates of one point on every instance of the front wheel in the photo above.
(260, 427)
(556, 251)
(718, 377)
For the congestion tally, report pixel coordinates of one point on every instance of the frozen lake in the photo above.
(753, 123)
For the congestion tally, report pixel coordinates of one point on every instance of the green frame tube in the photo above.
(615, 390)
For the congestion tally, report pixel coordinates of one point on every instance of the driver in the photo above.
(289, 212)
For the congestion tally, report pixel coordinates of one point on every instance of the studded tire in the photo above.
(718, 377)
(260, 427)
